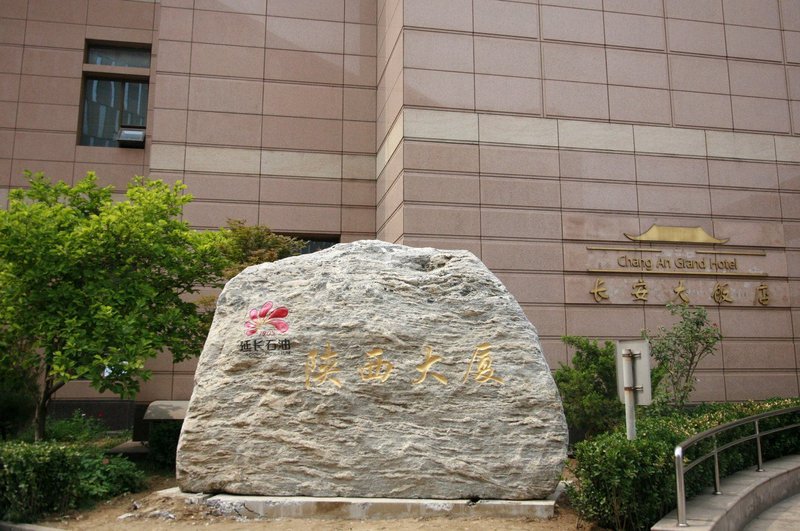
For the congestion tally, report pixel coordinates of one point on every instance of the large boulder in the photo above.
(372, 370)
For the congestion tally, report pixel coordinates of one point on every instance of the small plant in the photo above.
(678, 351)
(78, 428)
(589, 388)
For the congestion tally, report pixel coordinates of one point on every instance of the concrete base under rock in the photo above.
(368, 508)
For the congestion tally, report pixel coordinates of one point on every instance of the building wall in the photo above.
(535, 134)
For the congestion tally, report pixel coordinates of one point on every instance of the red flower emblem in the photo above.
(265, 316)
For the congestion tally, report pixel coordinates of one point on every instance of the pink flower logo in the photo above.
(266, 316)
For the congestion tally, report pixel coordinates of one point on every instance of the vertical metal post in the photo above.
(716, 468)
(630, 390)
(758, 449)
(681, 488)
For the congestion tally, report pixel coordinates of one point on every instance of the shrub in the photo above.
(78, 428)
(48, 477)
(163, 442)
(589, 388)
(624, 484)
(17, 403)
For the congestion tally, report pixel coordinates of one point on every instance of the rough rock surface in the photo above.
(372, 370)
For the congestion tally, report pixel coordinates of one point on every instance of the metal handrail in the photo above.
(680, 469)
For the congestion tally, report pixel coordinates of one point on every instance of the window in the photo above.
(115, 92)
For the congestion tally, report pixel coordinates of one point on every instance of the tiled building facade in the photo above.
(537, 134)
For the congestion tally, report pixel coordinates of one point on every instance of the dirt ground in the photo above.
(151, 511)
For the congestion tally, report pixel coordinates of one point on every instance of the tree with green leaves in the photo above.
(678, 351)
(247, 245)
(589, 387)
(91, 287)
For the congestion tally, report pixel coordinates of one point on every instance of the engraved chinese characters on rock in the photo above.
(321, 368)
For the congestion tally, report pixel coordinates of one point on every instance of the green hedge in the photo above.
(40, 478)
(622, 484)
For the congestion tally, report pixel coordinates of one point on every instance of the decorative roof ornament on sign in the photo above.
(664, 233)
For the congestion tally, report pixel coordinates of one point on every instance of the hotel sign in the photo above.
(684, 260)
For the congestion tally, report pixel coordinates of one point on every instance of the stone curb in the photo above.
(10, 526)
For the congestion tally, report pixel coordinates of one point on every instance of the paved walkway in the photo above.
(784, 515)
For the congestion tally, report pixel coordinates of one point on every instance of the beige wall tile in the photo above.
(789, 176)
(358, 192)
(790, 205)
(639, 7)
(742, 174)
(757, 79)
(598, 196)
(695, 37)
(640, 69)
(227, 61)
(109, 155)
(526, 161)
(71, 11)
(699, 74)
(669, 140)
(225, 95)
(691, 201)
(358, 137)
(791, 41)
(358, 167)
(520, 192)
(46, 117)
(311, 9)
(6, 144)
(566, 24)
(216, 27)
(586, 135)
(506, 18)
(15, 8)
(11, 59)
(518, 130)
(8, 114)
(508, 94)
(289, 99)
(175, 24)
(359, 104)
(438, 89)
(116, 175)
(761, 114)
(634, 31)
(753, 233)
(438, 14)
(121, 13)
(522, 255)
(222, 187)
(9, 87)
(167, 157)
(168, 125)
(213, 215)
(301, 133)
(755, 323)
(359, 70)
(299, 164)
(787, 149)
(440, 156)
(744, 13)
(301, 219)
(224, 129)
(632, 104)
(173, 57)
(305, 190)
(612, 322)
(171, 91)
(671, 170)
(754, 43)
(222, 160)
(358, 219)
(547, 320)
(44, 146)
(305, 35)
(52, 34)
(592, 165)
(702, 110)
(740, 145)
(360, 39)
(576, 100)
(52, 62)
(511, 57)
(749, 386)
(440, 125)
(54, 169)
(708, 10)
(437, 51)
(534, 288)
(569, 62)
(303, 66)
(363, 11)
(745, 203)
(254, 7)
(520, 223)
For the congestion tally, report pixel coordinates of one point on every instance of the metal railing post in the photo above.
(716, 468)
(681, 488)
(758, 449)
